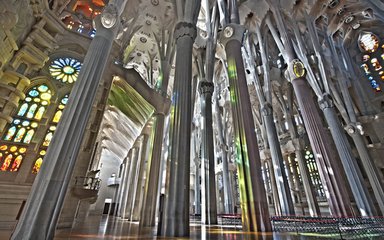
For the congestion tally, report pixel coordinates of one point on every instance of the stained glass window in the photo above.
(83, 13)
(23, 127)
(11, 157)
(314, 174)
(371, 60)
(65, 70)
(49, 134)
(368, 42)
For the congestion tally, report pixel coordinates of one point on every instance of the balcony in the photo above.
(113, 181)
(86, 188)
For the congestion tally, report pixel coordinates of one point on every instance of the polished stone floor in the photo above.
(108, 227)
(114, 228)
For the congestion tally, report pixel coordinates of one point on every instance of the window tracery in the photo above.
(23, 127)
(372, 58)
(65, 70)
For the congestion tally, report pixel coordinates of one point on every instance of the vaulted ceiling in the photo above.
(146, 38)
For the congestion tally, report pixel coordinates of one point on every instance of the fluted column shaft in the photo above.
(228, 194)
(254, 204)
(44, 204)
(313, 205)
(176, 217)
(275, 194)
(126, 209)
(138, 189)
(209, 208)
(348, 161)
(124, 186)
(333, 183)
(152, 185)
(285, 198)
(197, 189)
(371, 170)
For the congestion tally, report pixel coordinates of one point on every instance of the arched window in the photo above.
(314, 174)
(11, 157)
(65, 70)
(49, 134)
(372, 59)
(21, 131)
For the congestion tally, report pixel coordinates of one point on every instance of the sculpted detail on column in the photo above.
(185, 29)
(206, 87)
(326, 102)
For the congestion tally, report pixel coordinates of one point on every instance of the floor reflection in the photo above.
(115, 228)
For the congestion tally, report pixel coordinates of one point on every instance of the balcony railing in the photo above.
(88, 183)
(342, 227)
(86, 188)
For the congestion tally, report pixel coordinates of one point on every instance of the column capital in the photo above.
(232, 32)
(206, 87)
(295, 70)
(267, 110)
(185, 29)
(354, 129)
(326, 102)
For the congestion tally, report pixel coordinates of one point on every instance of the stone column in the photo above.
(313, 206)
(333, 183)
(254, 204)
(152, 185)
(275, 194)
(117, 199)
(176, 214)
(44, 204)
(123, 185)
(208, 182)
(310, 195)
(138, 184)
(124, 194)
(355, 129)
(351, 168)
(228, 194)
(372, 172)
(197, 188)
(285, 199)
(126, 213)
(297, 187)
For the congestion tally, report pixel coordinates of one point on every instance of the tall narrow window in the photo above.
(314, 175)
(23, 127)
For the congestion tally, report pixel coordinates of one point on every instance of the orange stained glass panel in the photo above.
(37, 165)
(16, 164)
(6, 163)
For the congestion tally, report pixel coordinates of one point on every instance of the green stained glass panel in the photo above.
(23, 109)
(10, 133)
(20, 134)
(28, 136)
(31, 111)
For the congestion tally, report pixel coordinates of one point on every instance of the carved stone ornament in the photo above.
(109, 16)
(185, 29)
(296, 69)
(232, 32)
(228, 31)
(326, 102)
(206, 87)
